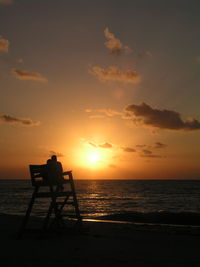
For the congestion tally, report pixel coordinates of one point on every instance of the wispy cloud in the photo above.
(92, 144)
(4, 44)
(19, 121)
(28, 75)
(6, 2)
(162, 119)
(103, 112)
(109, 112)
(114, 45)
(113, 73)
(104, 145)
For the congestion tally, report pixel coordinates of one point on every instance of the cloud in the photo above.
(114, 45)
(4, 44)
(160, 145)
(6, 2)
(162, 119)
(58, 154)
(128, 149)
(105, 145)
(28, 75)
(113, 73)
(20, 121)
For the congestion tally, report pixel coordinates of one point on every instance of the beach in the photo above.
(100, 243)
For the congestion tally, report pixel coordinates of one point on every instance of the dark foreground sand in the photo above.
(100, 244)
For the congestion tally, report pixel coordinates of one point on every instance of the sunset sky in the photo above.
(112, 87)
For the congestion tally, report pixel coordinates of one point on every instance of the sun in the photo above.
(93, 157)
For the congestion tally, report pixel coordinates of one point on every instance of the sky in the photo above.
(111, 87)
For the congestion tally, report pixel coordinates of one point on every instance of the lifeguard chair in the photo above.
(58, 197)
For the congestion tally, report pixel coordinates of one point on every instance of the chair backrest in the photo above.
(38, 174)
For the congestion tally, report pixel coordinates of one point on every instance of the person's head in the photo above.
(54, 157)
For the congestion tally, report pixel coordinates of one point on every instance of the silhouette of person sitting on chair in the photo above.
(55, 172)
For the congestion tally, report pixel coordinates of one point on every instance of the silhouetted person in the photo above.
(55, 170)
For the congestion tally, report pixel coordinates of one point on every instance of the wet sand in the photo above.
(100, 244)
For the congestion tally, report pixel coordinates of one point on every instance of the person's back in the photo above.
(55, 171)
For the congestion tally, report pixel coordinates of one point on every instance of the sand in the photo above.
(100, 244)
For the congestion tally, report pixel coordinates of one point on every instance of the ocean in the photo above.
(114, 199)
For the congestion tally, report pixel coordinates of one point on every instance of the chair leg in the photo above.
(74, 198)
(28, 212)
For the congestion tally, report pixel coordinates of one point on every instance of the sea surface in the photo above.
(114, 199)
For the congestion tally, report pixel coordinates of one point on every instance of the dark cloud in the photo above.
(114, 45)
(4, 44)
(128, 149)
(105, 145)
(28, 75)
(163, 119)
(113, 73)
(20, 121)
